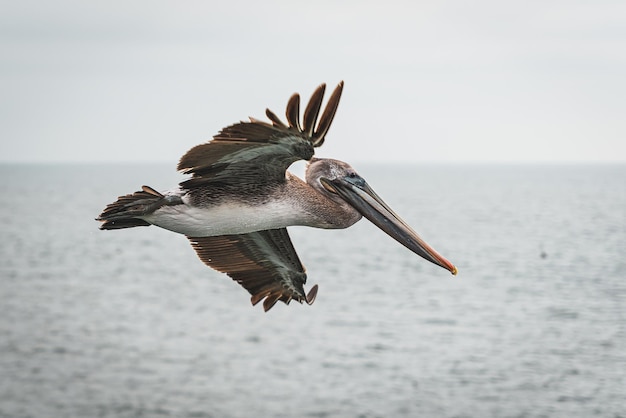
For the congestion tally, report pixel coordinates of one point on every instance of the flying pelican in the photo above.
(240, 198)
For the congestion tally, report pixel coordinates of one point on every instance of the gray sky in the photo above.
(485, 80)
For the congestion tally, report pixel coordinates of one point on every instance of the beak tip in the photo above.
(454, 271)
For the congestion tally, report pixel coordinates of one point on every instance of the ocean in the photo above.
(130, 323)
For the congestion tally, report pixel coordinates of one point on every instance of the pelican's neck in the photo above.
(322, 209)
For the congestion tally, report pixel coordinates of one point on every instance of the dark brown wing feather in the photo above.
(258, 151)
(313, 110)
(264, 263)
(293, 112)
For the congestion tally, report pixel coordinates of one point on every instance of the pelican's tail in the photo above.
(127, 211)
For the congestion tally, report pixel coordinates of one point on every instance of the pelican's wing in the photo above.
(263, 262)
(261, 152)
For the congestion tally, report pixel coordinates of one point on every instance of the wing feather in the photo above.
(275, 119)
(328, 116)
(312, 110)
(265, 263)
(259, 151)
(293, 112)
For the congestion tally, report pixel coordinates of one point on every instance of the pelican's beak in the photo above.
(360, 195)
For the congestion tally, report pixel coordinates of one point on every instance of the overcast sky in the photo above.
(485, 80)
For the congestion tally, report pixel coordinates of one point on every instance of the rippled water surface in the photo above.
(130, 323)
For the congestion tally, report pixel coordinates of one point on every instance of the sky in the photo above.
(425, 81)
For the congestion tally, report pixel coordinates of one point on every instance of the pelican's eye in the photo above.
(353, 178)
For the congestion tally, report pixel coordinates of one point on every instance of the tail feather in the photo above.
(122, 223)
(126, 211)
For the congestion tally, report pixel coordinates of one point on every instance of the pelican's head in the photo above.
(343, 184)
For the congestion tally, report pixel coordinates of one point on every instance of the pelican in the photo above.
(235, 206)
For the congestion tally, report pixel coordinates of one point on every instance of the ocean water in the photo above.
(131, 324)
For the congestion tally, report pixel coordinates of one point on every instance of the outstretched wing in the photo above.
(259, 152)
(263, 262)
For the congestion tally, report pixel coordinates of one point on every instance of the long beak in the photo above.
(360, 195)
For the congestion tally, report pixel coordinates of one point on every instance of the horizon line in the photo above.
(402, 162)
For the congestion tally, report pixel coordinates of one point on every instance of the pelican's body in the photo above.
(240, 198)
(291, 203)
